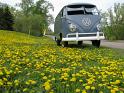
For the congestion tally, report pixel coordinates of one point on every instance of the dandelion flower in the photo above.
(73, 79)
(87, 87)
(84, 91)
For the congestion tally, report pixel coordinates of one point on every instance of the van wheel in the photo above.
(96, 43)
(80, 42)
(58, 42)
(65, 43)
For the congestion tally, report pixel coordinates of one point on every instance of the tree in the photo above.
(8, 19)
(1, 18)
(115, 20)
(26, 5)
(30, 25)
(30, 9)
(41, 7)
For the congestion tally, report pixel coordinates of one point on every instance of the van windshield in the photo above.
(80, 9)
(92, 11)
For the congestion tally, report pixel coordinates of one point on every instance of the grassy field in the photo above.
(36, 65)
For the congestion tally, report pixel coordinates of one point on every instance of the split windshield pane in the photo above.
(82, 9)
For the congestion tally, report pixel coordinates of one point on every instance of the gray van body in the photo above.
(78, 22)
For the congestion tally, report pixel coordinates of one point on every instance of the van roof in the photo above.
(73, 5)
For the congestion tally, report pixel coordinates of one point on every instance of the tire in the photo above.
(58, 42)
(65, 43)
(96, 43)
(93, 43)
(80, 42)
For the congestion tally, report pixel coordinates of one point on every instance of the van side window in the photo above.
(62, 13)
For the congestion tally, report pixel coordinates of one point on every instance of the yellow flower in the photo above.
(113, 91)
(100, 92)
(42, 74)
(1, 82)
(116, 89)
(16, 82)
(51, 92)
(65, 74)
(100, 85)
(30, 82)
(73, 79)
(67, 85)
(84, 91)
(65, 78)
(1, 73)
(53, 79)
(5, 79)
(117, 81)
(77, 90)
(80, 80)
(44, 77)
(25, 89)
(73, 75)
(9, 83)
(47, 85)
(90, 82)
(87, 87)
(33, 82)
(93, 88)
(7, 72)
(109, 87)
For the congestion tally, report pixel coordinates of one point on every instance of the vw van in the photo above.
(78, 22)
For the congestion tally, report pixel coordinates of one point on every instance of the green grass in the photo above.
(12, 37)
(119, 52)
(37, 65)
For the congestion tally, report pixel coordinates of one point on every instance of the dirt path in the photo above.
(112, 44)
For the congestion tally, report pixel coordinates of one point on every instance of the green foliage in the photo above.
(31, 25)
(33, 18)
(6, 18)
(1, 18)
(114, 32)
(40, 7)
(26, 6)
(113, 22)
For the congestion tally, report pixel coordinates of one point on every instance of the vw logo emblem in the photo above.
(86, 21)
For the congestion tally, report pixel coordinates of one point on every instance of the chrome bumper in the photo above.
(77, 37)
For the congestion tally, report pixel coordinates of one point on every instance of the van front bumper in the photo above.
(84, 36)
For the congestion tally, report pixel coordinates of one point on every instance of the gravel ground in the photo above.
(112, 44)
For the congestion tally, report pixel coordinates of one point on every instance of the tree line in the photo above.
(113, 22)
(6, 18)
(31, 17)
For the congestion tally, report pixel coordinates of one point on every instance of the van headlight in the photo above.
(72, 27)
(99, 27)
